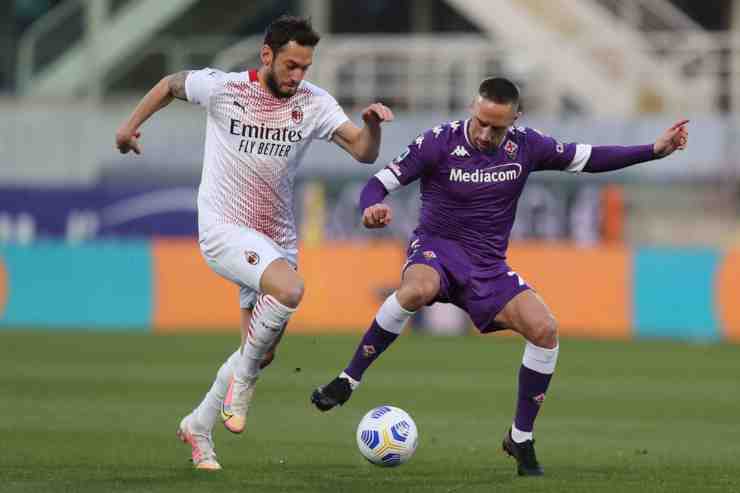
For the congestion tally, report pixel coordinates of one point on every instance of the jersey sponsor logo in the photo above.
(297, 115)
(262, 132)
(265, 141)
(460, 151)
(496, 174)
(239, 105)
(252, 257)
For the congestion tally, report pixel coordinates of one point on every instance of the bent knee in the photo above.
(290, 294)
(544, 332)
(417, 293)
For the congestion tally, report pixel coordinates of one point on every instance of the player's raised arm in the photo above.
(610, 158)
(552, 155)
(162, 94)
(364, 143)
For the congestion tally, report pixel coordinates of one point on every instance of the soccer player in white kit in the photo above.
(259, 126)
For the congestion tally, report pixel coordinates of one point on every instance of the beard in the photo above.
(272, 84)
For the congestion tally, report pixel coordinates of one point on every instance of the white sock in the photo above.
(268, 321)
(205, 416)
(392, 316)
(520, 436)
(540, 359)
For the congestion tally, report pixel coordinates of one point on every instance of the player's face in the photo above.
(287, 68)
(490, 122)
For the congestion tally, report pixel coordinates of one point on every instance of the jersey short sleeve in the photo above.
(200, 84)
(549, 154)
(411, 164)
(331, 116)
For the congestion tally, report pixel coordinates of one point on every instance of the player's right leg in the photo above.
(420, 286)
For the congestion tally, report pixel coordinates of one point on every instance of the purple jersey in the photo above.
(470, 196)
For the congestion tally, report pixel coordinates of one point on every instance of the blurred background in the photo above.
(93, 239)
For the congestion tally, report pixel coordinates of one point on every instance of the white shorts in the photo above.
(241, 255)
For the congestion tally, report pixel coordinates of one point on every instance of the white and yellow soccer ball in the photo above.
(387, 436)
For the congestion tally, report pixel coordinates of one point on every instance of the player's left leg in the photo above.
(281, 292)
(527, 314)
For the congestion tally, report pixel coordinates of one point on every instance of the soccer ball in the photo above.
(387, 436)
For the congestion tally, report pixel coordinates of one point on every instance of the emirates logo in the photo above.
(297, 115)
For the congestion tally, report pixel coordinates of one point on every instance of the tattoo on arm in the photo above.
(177, 85)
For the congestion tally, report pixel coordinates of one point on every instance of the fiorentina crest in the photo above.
(510, 149)
(368, 350)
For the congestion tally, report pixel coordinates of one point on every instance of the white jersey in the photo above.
(254, 144)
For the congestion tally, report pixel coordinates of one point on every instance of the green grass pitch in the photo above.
(90, 412)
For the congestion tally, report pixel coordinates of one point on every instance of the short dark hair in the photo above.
(287, 28)
(499, 90)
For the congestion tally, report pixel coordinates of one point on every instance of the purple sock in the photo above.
(532, 388)
(374, 342)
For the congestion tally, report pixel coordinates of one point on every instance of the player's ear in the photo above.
(266, 55)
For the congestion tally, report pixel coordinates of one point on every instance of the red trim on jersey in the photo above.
(253, 75)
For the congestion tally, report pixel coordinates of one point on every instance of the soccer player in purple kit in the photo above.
(472, 173)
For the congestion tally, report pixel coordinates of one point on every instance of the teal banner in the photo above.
(96, 285)
(674, 293)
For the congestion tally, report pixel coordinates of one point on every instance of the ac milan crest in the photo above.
(252, 258)
(297, 115)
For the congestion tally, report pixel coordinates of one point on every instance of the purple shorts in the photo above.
(482, 291)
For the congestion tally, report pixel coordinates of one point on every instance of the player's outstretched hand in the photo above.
(676, 137)
(377, 113)
(377, 216)
(128, 141)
